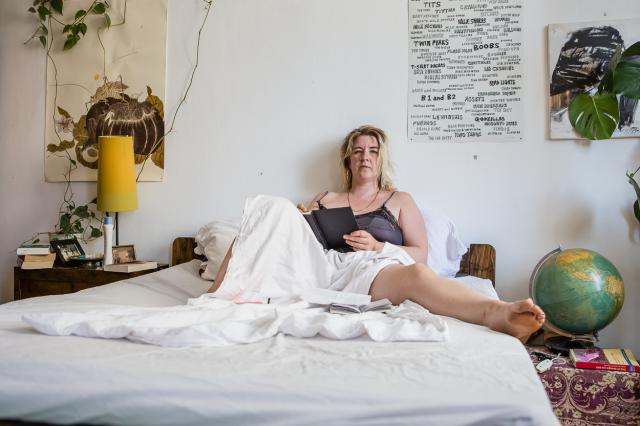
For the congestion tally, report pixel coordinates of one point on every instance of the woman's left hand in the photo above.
(362, 241)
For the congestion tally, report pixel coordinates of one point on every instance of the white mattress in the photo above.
(478, 377)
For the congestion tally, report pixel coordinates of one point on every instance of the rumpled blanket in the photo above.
(275, 259)
(208, 321)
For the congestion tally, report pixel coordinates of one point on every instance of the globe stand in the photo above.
(562, 344)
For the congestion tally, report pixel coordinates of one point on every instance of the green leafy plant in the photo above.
(46, 10)
(78, 220)
(73, 219)
(596, 115)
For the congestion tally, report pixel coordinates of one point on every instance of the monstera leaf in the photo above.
(594, 116)
(626, 79)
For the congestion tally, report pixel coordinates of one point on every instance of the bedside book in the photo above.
(604, 359)
(38, 261)
(136, 265)
(25, 249)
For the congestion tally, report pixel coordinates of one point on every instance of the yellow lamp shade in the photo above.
(116, 174)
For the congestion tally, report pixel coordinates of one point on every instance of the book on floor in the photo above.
(25, 249)
(382, 305)
(604, 359)
(136, 265)
(329, 226)
(38, 261)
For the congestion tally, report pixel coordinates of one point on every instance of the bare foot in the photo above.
(518, 319)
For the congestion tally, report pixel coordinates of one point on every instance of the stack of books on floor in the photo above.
(605, 359)
(35, 256)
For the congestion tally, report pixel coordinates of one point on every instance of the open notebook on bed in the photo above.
(476, 377)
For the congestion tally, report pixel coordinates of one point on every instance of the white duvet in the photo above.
(477, 377)
(276, 258)
(474, 377)
(215, 322)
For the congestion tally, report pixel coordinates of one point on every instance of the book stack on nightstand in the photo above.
(64, 279)
(35, 256)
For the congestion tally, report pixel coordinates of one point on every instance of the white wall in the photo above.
(279, 83)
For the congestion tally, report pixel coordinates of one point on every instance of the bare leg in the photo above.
(442, 296)
(222, 271)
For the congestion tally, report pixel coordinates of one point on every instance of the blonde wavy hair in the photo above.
(385, 168)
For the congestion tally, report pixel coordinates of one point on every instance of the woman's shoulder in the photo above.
(327, 197)
(402, 200)
(402, 197)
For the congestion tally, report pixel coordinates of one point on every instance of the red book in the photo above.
(605, 359)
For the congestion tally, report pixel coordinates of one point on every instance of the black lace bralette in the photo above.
(380, 223)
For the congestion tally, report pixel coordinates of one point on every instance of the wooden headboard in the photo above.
(479, 261)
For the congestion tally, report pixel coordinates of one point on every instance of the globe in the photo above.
(580, 291)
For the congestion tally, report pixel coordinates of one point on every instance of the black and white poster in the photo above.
(579, 56)
(465, 71)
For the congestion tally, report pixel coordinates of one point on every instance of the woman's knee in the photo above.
(417, 276)
(419, 272)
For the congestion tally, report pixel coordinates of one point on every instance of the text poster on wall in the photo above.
(465, 77)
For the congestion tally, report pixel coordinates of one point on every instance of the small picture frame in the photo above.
(123, 254)
(67, 250)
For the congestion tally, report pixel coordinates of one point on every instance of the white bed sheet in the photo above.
(477, 377)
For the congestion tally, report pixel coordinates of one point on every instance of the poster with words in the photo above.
(465, 71)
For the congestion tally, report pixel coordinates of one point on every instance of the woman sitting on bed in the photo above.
(390, 249)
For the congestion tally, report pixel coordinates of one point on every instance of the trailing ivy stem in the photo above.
(124, 15)
(104, 51)
(57, 20)
(68, 192)
(76, 85)
(104, 54)
(32, 36)
(186, 92)
(83, 17)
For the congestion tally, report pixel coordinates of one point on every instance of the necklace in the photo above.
(367, 206)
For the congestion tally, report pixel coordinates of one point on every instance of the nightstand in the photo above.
(585, 397)
(62, 280)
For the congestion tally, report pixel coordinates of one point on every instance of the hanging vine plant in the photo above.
(76, 218)
(73, 218)
(74, 30)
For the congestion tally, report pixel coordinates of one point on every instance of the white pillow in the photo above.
(480, 285)
(213, 240)
(445, 246)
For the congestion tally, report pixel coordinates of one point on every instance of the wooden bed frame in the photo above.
(479, 261)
